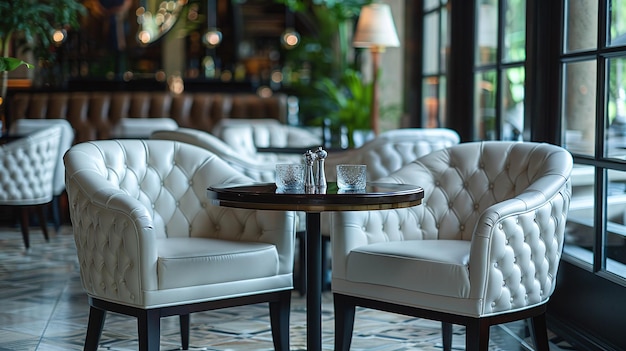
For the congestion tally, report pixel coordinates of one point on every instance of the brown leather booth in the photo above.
(94, 114)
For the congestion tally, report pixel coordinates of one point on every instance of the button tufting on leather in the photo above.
(476, 206)
(491, 186)
(500, 226)
(462, 228)
(495, 264)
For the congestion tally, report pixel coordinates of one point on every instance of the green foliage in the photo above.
(8, 64)
(348, 102)
(33, 21)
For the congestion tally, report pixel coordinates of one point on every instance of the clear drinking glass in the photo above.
(289, 176)
(351, 177)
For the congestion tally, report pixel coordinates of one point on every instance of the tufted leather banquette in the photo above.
(93, 115)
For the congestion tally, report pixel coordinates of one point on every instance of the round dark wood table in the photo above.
(265, 196)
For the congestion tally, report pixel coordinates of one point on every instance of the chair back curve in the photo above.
(487, 193)
(25, 126)
(28, 165)
(462, 182)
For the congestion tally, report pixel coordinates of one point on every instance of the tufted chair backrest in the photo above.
(27, 168)
(462, 182)
(259, 168)
(246, 135)
(393, 149)
(26, 126)
(168, 178)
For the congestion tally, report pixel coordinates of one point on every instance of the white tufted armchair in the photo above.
(24, 126)
(482, 249)
(27, 175)
(150, 244)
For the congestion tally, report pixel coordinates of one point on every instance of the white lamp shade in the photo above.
(375, 27)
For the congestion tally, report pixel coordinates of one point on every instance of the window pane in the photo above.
(485, 102)
(430, 4)
(431, 43)
(515, 31)
(443, 91)
(615, 240)
(616, 109)
(430, 101)
(579, 103)
(581, 28)
(487, 32)
(617, 31)
(444, 40)
(579, 232)
(513, 104)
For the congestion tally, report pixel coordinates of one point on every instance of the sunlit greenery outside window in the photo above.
(436, 41)
(500, 57)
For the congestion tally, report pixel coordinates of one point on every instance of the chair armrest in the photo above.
(109, 265)
(516, 249)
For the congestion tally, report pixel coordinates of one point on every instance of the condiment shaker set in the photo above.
(315, 177)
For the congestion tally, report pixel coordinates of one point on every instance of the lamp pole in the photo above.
(375, 30)
(375, 109)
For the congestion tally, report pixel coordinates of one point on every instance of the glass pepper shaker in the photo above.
(320, 179)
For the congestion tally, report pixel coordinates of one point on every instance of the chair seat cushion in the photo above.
(438, 267)
(184, 262)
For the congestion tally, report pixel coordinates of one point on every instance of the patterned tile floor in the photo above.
(43, 308)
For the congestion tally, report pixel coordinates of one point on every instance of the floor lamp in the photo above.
(375, 30)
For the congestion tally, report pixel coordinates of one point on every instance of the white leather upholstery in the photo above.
(132, 127)
(387, 153)
(148, 236)
(258, 168)
(28, 165)
(246, 135)
(25, 126)
(391, 150)
(487, 239)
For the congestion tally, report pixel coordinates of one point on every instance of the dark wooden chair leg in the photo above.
(279, 321)
(477, 335)
(94, 328)
(41, 213)
(184, 331)
(326, 265)
(344, 322)
(56, 212)
(149, 327)
(24, 226)
(539, 332)
(302, 268)
(446, 335)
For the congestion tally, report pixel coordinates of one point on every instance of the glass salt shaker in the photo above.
(309, 180)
